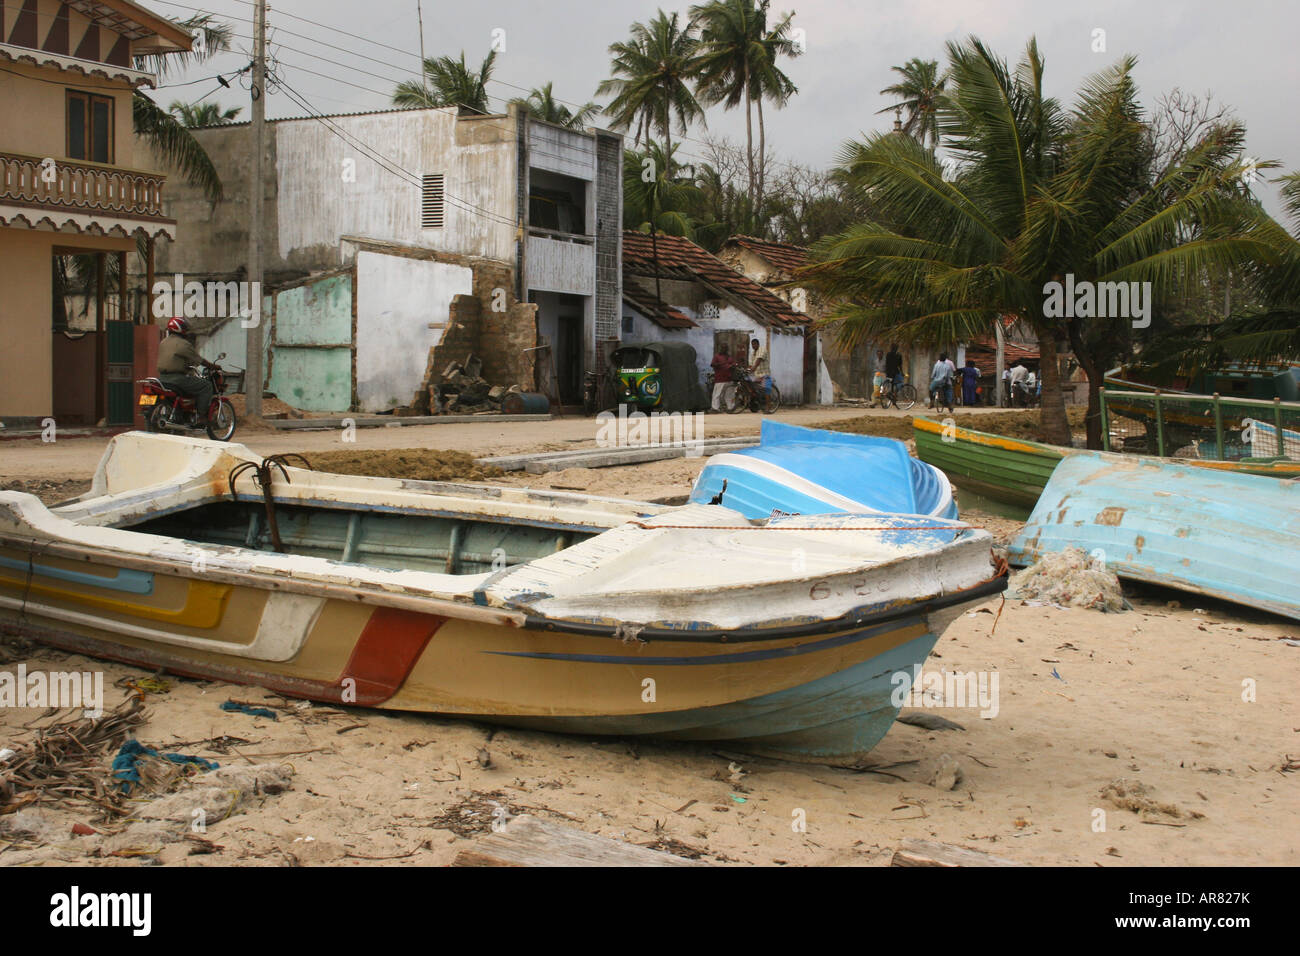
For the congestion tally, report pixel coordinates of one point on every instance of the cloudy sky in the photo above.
(1241, 53)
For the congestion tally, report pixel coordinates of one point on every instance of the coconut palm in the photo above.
(194, 115)
(542, 104)
(655, 200)
(651, 81)
(918, 95)
(1040, 194)
(448, 82)
(737, 57)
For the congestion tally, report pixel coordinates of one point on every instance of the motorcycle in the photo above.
(169, 411)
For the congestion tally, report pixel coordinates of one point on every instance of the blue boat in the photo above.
(1229, 536)
(809, 471)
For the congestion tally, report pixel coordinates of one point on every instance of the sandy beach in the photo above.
(1165, 735)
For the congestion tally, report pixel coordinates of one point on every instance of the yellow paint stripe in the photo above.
(984, 438)
(205, 602)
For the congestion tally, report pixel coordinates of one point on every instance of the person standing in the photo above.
(759, 365)
(969, 381)
(1018, 374)
(941, 383)
(878, 380)
(722, 364)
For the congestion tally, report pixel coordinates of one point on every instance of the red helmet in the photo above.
(178, 325)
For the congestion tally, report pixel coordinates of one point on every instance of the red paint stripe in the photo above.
(390, 644)
(385, 653)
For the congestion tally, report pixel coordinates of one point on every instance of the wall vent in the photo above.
(431, 202)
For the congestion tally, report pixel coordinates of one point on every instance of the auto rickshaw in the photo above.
(658, 377)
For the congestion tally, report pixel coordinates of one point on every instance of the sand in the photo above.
(1166, 735)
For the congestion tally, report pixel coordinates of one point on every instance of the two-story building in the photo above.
(399, 240)
(70, 185)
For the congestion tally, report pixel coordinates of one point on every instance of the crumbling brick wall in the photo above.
(492, 323)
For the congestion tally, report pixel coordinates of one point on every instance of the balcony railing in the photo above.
(72, 186)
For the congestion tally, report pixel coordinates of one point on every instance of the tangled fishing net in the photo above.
(1070, 578)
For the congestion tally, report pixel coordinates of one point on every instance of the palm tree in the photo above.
(169, 137)
(769, 82)
(448, 82)
(664, 203)
(541, 104)
(918, 94)
(737, 65)
(1040, 194)
(650, 80)
(194, 115)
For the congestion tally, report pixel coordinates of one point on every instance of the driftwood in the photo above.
(928, 853)
(528, 841)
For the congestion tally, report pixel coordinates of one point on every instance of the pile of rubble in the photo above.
(463, 390)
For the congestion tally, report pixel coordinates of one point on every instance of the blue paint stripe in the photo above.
(131, 582)
(742, 657)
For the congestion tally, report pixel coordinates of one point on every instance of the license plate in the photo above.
(148, 399)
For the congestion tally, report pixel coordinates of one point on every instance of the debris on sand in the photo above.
(1069, 578)
(1131, 795)
(67, 761)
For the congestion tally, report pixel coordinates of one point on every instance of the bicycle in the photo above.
(749, 394)
(902, 399)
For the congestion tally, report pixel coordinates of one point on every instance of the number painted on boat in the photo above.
(820, 591)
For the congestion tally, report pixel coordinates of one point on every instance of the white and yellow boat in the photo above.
(555, 611)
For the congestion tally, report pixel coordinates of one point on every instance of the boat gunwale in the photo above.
(849, 620)
(363, 593)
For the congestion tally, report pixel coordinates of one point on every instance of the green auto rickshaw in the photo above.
(658, 377)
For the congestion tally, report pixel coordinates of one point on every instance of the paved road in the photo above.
(76, 457)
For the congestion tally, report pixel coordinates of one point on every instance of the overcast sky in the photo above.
(1243, 53)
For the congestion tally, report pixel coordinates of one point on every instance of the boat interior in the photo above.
(389, 541)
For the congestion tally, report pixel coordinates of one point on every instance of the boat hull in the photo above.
(1014, 472)
(820, 696)
(1228, 536)
(513, 606)
(1006, 470)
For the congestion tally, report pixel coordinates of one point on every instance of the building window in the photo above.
(431, 202)
(629, 325)
(90, 127)
(710, 311)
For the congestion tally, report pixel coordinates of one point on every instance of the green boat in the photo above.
(1008, 471)
(1011, 472)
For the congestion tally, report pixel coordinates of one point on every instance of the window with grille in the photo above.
(710, 311)
(431, 202)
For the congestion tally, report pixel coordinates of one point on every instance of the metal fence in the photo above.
(1180, 425)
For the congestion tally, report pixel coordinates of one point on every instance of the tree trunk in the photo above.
(749, 140)
(1052, 418)
(1095, 378)
(998, 385)
(762, 163)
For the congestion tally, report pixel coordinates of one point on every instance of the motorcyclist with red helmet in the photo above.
(176, 356)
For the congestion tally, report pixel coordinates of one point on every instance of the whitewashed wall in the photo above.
(397, 299)
(317, 203)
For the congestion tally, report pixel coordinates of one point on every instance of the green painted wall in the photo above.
(312, 365)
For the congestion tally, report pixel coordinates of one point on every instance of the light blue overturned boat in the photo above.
(1229, 536)
(809, 471)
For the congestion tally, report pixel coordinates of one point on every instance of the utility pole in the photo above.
(419, 16)
(253, 377)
